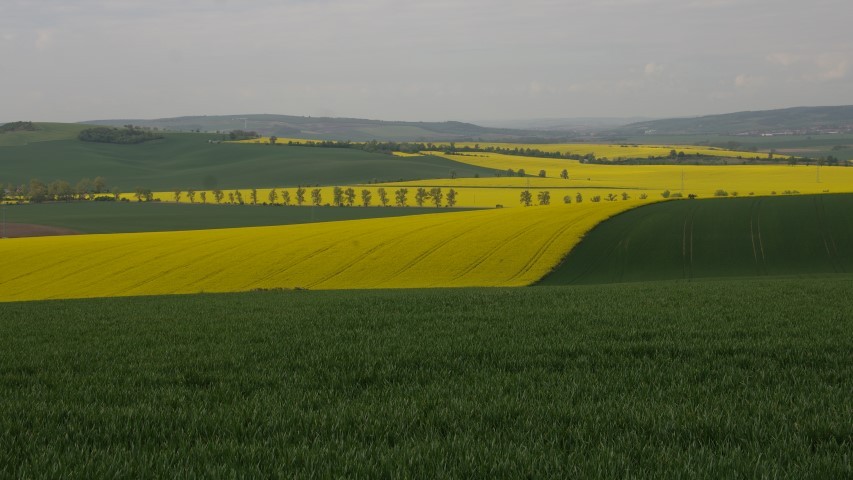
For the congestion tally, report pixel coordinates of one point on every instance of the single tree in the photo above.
(400, 196)
(84, 186)
(203, 196)
(231, 197)
(177, 196)
(521, 172)
(116, 193)
(579, 198)
(544, 197)
(665, 194)
(100, 185)
(451, 198)
(191, 195)
(383, 196)
(611, 197)
(349, 193)
(273, 197)
(625, 196)
(510, 172)
(273, 139)
(218, 195)
(436, 196)
(365, 197)
(285, 197)
(300, 195)
(526, 198)
(253, 196)
(239, 196)
(421, 195)
(338, 196)
(139, 193)
(567, 199)
(316, 196)
(564, 174)
(542, 173)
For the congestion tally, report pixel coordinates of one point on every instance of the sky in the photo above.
(73, 60)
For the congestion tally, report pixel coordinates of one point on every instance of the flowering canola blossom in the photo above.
(500, 247)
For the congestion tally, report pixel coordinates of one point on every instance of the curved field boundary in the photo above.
(501, 247)
(790, 235)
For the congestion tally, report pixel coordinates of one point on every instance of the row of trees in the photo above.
(544, 197)
(127, 135)
(37, 191)
(340, 197)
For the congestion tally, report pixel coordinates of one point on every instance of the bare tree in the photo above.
(316, 196)
(191, 195)
(365, 197)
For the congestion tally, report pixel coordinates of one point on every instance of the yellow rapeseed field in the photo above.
(472, 192)
(499, 247)
(702, 180)
(616, 151)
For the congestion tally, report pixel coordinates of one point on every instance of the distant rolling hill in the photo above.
(729, 237)
(191, 160)
(333, 128)
(787, 120)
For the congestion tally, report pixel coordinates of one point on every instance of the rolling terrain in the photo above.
(746, 237)
(499, 247)
(186, 160)
(122, 217)
(327, 128)
(801, 119)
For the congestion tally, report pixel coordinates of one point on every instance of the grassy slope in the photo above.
(714, 379)
(45, 132)
(839, 145)
(791, 235)
(185, 160)
(121, 217)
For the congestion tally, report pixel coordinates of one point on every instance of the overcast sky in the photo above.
(70, 60)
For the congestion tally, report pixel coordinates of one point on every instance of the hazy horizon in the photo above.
(474, 61)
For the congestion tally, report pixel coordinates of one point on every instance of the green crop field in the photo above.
(785, 235)
(186, 160)
(122, 217)
(721, 379)
(46, 132)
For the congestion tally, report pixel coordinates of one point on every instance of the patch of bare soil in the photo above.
(18, 230)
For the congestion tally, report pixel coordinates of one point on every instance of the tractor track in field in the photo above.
(545, 246)
(827, 236)
(758, 254)
(485, 256)
(687, 243)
